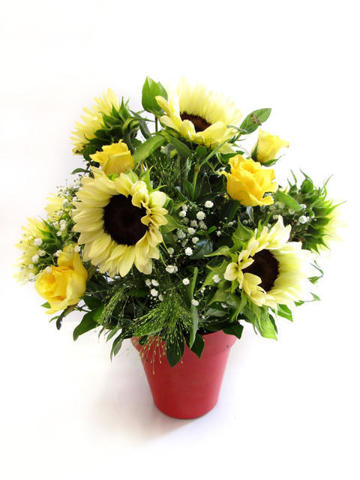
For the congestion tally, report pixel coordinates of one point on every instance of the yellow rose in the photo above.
(267, 147)
(249, 181)
(115, 158)
(65, 284)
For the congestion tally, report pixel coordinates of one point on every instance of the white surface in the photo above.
(288, 409)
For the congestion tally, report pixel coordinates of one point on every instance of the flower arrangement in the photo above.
(171, 229)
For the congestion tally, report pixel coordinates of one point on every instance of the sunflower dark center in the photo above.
(266, 267)
(199, 123)
(122, 220)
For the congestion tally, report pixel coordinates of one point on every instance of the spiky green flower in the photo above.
(315, 215)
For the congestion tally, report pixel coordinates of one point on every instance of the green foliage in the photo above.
(144, 150)
(254, 120)
(152, 89)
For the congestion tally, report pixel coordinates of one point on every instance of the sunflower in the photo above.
(118, 221)
(271, 270)
(32, 238)
(93, 120)
(200, 115)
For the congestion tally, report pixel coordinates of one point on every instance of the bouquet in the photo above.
(170, 229)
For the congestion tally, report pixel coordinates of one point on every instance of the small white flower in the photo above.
(191, 230)
(37, 242)
(302, 205)
(180, 234)
(194, 223)
(291, 211)
(57, 253)
(171, 251)
(154, 292)
(42, 253)
(58, 234)
(155, 283)
(218, 233)
(65, 203)
(148, 282)
(77, 248)
(31, 276)
(275, 217)
(186, 281)
(188, 251)
(209, 204)
(60, 213)
(62, 225)
(203, 225)
(171, 268)
(186, 221)
(200, 215)
(161, 298)
(224, 305)
(48, 269)
(216, 278)
(194, 302)
(195, 240)
(303, 219)
(35, 258)
(182, 214)
(30, 266)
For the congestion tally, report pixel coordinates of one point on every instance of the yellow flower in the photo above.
(93, 120)
(114, 159)
(249, 181)
(32, 238)
(65, 283)
(271, 270)
(118, 221)
(199, 115)
(54, 205)
(267, 147)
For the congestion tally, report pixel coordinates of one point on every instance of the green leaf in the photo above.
(242, 234)
(194, 325)
(284, 311)
(78, 170)
(137, 293)
(91, 302)
(235, 329)
(87, 323)
(266, 327)
(220, 296)
(46, 305)
(289, 201)
(238, 303)
(182, 149)
(203, 248)
(148, 147)
(175, 350)
(255, 119)
(172, 224)
(152, 89)
(116, 346)
(198, 345)
(223, 250)
(193, 284)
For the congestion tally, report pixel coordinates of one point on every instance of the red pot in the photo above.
(191, 388)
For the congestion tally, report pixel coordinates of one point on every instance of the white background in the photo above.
(288, 409)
